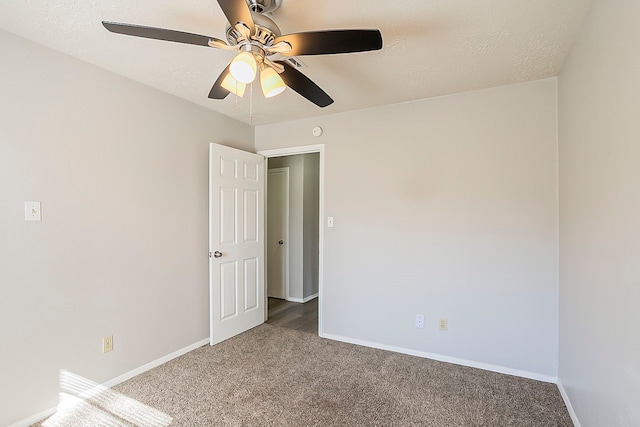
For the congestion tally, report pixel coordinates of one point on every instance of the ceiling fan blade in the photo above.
(237, 11)
(304, 86)
(217, 91)
(159, 33)
(330, 42)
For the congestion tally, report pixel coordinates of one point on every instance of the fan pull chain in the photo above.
(237, 84)
(251, 104)
(236, 94)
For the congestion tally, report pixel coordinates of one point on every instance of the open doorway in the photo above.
(294, 238)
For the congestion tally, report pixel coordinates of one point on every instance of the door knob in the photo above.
(281, 242)
(217, 254)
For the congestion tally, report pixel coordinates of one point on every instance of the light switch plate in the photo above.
(32, 211)
(330, 222)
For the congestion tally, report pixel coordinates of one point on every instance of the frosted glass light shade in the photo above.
(243, 68)
(271, 82)
(233, 86)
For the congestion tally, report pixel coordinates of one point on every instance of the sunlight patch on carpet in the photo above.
(85, 403)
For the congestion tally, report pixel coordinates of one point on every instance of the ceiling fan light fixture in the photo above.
(271, 82)
(243, 68)
(233, 86)
(251, 32)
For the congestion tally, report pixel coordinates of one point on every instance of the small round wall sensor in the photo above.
(317, 131)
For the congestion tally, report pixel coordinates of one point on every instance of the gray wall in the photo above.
(444, 207)
(296, 220)
(311, 222)
(599, 364)
(121, 171)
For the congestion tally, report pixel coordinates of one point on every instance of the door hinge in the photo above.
(210, 254)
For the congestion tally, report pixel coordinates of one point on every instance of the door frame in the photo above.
(290, 151)
(286, 232)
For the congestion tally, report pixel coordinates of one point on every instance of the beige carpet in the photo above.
(271, 376)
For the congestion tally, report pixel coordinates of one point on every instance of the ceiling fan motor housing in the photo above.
(263, 6)
(266, 31)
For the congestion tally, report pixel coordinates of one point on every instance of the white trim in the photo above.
(567, 403)
(155, 363)
(34, 418)
(310, 297)
(317, 148)
(265, 175)
(290, 151)
(448, 359)
(117, 380)
(303, 300)
(210, 241)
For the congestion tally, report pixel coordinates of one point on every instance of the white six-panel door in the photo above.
(236, 241)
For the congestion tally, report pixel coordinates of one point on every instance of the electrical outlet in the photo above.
(419, 321)
(107, 344)
(443, 324)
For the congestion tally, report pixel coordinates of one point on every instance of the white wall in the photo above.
(444, 207)
(599, 88)
(121, 171)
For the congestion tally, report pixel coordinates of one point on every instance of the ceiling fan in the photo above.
(263, 49)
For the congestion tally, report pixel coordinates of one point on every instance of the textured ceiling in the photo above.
(431, 47)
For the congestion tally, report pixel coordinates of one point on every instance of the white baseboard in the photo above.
(155, 363)
(567, 403)
(448, 359)
(34, 418)
(433, 356)
(303, 300)
(117, 380)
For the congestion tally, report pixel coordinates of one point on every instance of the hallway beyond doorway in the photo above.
(293, 315)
